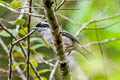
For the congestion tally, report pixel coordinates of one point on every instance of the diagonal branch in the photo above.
(14, 62)
(66, 18)
(101, 42)
(100, 28)
(18, 40)
(53, 71)
(57, 37)
(23, 50)
(95, 20)
(26, 13)
(58, 7)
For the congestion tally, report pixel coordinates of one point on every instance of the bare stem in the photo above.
(21, 15)
(18, 40)
(57, 37)
(28, 40)
(21, 46)
(10, 63)
(94, 21)
(101, 28)
(14, 62)
(53, 71)
(101, 42)
(58, 7)
(26, 13)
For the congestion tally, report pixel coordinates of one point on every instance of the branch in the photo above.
(59, 5)
(57, 37)
(46, 62)
(24, 52)
(101, 42)
(95, 20)
(26, 13)
(10, 63)
(18, 40)
(14, 62)
(4, 46)
(83, 26)
(53, 71)
(43, 8)
(66, 18)
(21, 15)
(99, 28)
(69, 9)
(74, 0)
(28, 41)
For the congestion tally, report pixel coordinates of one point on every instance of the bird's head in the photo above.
(41, 26)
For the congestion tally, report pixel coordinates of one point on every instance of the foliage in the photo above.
(96, 69)
(15, 4)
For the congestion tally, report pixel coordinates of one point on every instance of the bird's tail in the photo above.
(84, 52)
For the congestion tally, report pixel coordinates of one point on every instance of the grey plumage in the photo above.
(69, 42)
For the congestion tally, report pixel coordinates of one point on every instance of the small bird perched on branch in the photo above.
(69, 42)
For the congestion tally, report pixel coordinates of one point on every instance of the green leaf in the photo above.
(20, 22)
(36, 79)
(1, 70)
(4, 33)
(43, 41)
(31, 72)
(15, 65)
(37, 46)
(23, 32)
(3, 2)
(15, 4)
(34, 39)
(17, 22)
(44, 71)
(34, 63)
(43, 78)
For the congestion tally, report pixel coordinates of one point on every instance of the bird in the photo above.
(69, 42)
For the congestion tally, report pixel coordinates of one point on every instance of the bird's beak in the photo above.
(34, 28)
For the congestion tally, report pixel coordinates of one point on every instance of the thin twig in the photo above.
(46, 62)
(28, 41)
(23, 50)
(21, 15)
(97, 20)
(14, 62)
(26, 13)
(58, 7)
(68, 9)
(101, 42)
(55, 3)
(101, 12)
(10, 63)
(101, 51)
(74, 0)
(99, 28)
(66, 18)
(53, 71)
(83, 26)
(43, 8)
(4, 46)
(18, 40)
(31, 7)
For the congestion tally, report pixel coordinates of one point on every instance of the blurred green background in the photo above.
(104, 67)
